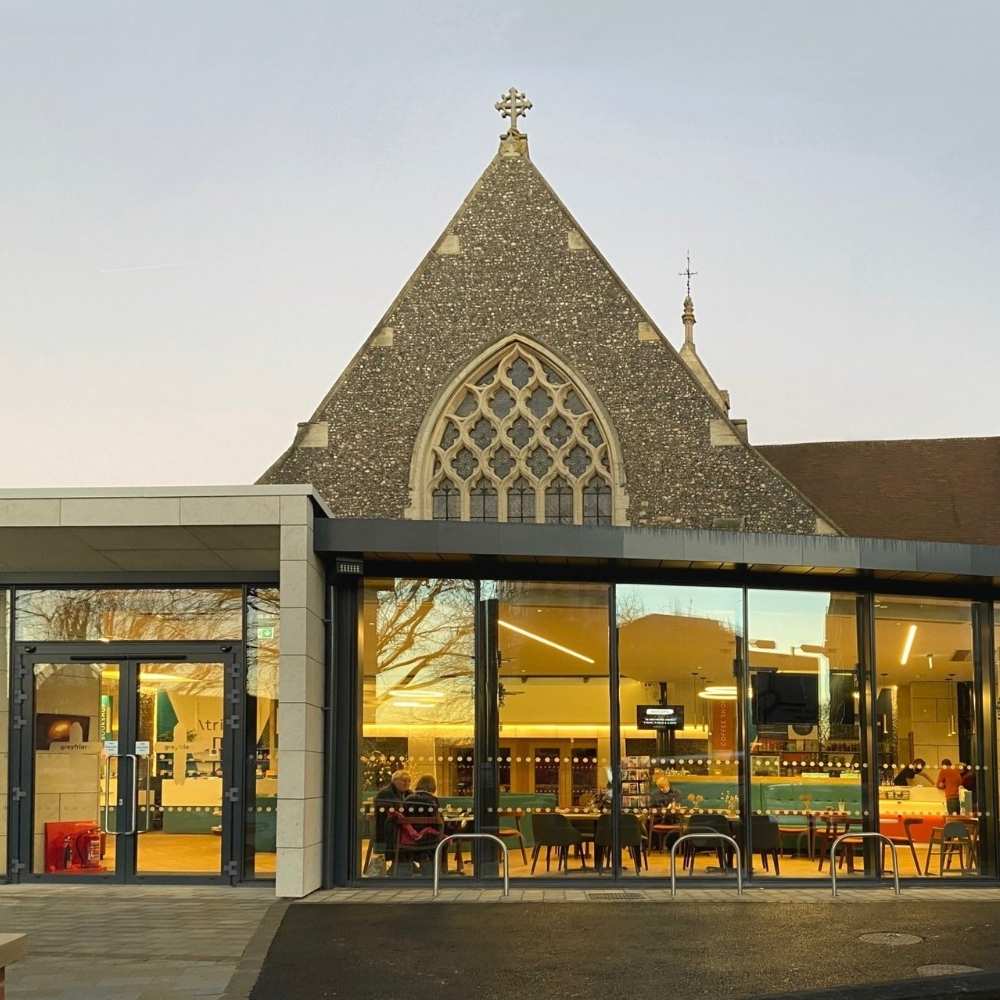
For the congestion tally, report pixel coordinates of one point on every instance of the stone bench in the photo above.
(12, 948)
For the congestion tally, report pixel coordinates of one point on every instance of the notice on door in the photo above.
(111, 747)
(142, 748)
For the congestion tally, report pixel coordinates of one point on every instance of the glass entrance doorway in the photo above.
(127, 766)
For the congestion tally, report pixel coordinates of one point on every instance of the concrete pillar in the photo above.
(301, 693)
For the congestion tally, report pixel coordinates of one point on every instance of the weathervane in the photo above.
(513, 105)
(687, 273)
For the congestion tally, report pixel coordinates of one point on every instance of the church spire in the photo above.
(688, 353)
(687, 317)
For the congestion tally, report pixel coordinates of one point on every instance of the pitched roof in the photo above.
(944, 490)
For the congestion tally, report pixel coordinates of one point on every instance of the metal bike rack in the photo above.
(471, 836)
(848, 836)
(707, 835)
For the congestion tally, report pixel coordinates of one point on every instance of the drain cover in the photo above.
(946, 970)
(890, 939)
(615, 896)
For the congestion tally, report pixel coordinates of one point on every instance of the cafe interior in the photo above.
(615, 720)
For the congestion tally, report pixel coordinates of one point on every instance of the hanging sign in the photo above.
(659, 716)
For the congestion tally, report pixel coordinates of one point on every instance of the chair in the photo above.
(765, 839)
(423, 850)
(830, 834)
(554, 830)
(954, 836)
(906, 839)
(631, 835)
(515, 831)
(374, 846)
(707, 823)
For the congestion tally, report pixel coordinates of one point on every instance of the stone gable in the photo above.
(513, 262)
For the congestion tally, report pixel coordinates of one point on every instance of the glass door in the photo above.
(74, 730)
(127, 769)
(179, 750)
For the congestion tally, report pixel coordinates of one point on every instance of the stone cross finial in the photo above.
(513, 105)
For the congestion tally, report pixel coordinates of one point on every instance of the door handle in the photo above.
(135, 791)
(107, 794)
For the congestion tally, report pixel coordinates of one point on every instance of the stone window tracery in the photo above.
(518, 440)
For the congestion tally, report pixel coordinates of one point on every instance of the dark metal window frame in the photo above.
(236, 863)
(341, 828)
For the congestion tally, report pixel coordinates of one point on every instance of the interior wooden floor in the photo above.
(706, 865)
(183, 854)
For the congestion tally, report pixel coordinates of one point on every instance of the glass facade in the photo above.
(929, 750)
(415, 775)
(4, 719)
(263, 643)
(131, 755)
(141, 615)
(592, 726)
(678, 651)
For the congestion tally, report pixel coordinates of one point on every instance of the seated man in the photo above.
(388, 801)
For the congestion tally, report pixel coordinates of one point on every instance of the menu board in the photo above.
(659, 716)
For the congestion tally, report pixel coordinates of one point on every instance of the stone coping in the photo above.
(13, 947)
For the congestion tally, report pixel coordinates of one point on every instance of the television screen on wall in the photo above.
(785, 699)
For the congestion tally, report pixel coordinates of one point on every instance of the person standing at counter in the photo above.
(950, 782)
(913, 774)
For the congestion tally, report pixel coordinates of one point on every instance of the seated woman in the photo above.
(420, 824)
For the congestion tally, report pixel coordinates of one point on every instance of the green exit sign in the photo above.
(265, 632)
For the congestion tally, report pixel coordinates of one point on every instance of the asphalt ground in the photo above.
(689, 951)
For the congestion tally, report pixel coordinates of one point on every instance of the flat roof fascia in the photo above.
(818, 554)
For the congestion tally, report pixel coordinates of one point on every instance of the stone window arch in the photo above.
(518, 438)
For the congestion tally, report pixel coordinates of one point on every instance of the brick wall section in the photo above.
(506, 265)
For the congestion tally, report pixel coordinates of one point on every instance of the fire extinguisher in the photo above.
(88, 848)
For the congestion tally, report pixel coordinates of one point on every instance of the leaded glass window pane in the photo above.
(558, 502)
(447, 502)
(521, 501)
(597, 502)
(483, 502)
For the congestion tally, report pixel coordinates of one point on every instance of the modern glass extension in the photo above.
(600, 729)
(144, 742)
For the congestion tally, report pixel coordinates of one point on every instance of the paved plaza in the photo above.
(214, 943)
(137, 943)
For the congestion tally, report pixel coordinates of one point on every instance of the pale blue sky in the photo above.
(205, 207)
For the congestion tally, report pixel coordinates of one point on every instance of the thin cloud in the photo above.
(136, 267)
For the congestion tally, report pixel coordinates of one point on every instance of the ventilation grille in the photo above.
(615, 896)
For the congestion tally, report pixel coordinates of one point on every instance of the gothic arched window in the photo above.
(517, 439)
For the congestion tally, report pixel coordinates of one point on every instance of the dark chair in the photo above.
(765, 839)
(631, 837)
(830, 834)
(707, 823)
(554, 830)
(417, 821)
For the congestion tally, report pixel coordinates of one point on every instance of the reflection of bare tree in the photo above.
(424, 646)
(122, 615)
(629, 606)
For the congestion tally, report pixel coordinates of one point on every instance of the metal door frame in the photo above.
(128, 655)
